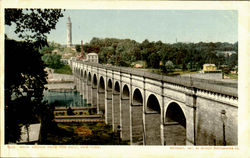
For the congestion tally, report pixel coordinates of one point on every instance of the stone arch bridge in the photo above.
(152, 109)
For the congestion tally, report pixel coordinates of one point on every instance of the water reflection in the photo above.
(65, 99)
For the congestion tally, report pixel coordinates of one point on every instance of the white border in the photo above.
(242, 150)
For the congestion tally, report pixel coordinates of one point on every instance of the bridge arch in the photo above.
(125, 92)
(89, 89)
(85, 88)
(175, 125)
(94, 91)
(78, 71)
(116, 106)
(108, 102)
(137, 97)
(89, 78)
(125, 113)
(101, 84)
(110, 85)
(85, 75)
(81, 88)
(81, 73)
(137, 132)
(101, 96)
(117, 87)
(153, 121)
(153, 104)
(95, 81)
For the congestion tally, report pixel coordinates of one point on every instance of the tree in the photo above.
(52, 60)
(154, 60)
(233, 61)
(25, 79)
(169, 66)
(33, 25)
(78, 47)
(25, 76)
(105, 54)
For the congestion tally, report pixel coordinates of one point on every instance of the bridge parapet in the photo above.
(217, 87)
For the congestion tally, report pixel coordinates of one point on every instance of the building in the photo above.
(209, 68)
(92, 57)
(210, 72)
(69, 33)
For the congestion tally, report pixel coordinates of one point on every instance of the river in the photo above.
(65, 99)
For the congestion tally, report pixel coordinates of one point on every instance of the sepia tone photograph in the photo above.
(121, 78)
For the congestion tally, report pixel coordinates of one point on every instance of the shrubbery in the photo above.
(52, 60)
(64, 69)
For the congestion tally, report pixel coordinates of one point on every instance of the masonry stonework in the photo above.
(192, 111)
(108, 107)
(115, 111)
(125, 118)
(136, 125)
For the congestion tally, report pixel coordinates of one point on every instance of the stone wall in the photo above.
(125, 119)
(115, 111)
(216, 76)
(136, 124)
(209, 125)
(153, 132)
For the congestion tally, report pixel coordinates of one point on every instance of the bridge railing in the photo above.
(220, 87)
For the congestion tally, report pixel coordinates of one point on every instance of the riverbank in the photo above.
(83, 134)
(60, 82)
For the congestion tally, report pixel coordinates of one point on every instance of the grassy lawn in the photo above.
(83, 134)
(232, 76)
(65, 69)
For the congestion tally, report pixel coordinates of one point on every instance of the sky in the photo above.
(167, 26)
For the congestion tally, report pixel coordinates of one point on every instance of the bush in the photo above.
(169, 66)
(65, 69)
(52, 60)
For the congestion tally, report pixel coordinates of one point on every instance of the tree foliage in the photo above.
(33, 25)
(24, 70)
(52, 60)
(24, 85)
(191, 56)
(169, 65)
(78, 47)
